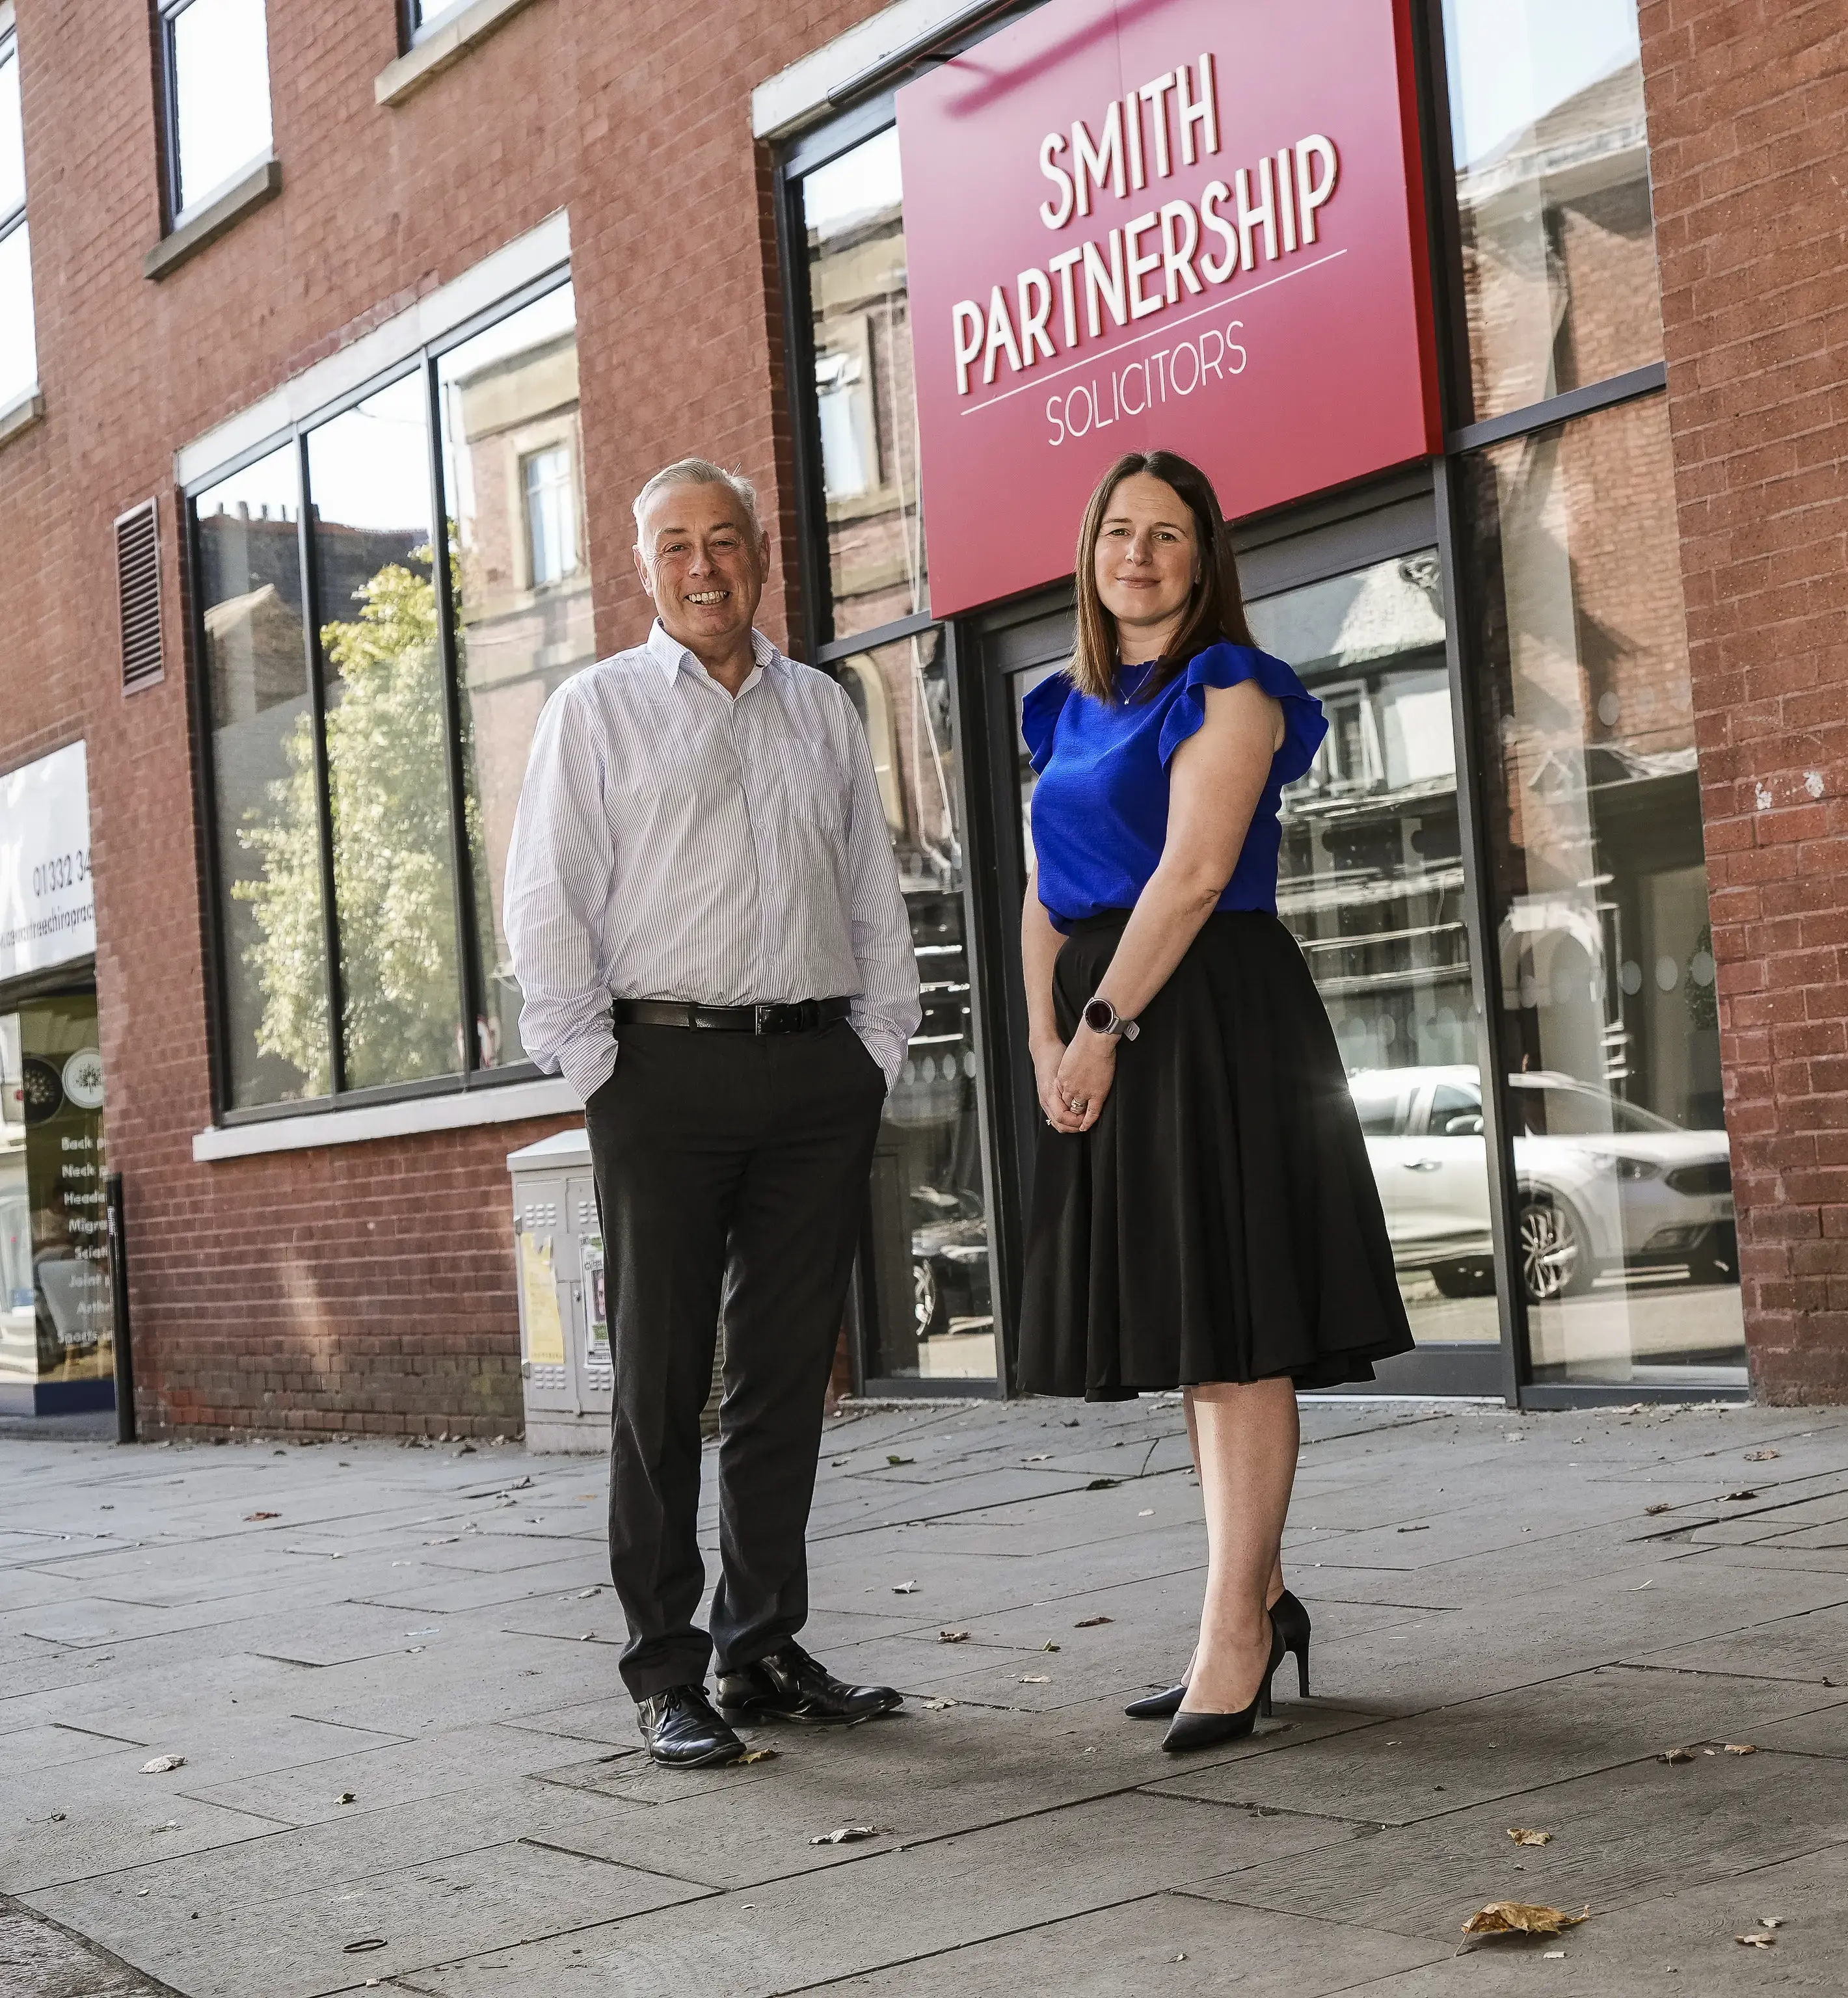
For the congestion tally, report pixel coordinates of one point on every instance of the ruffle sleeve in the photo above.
(1225, 664)
(1039, 713)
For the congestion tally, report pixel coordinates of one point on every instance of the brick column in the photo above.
(1748, 112)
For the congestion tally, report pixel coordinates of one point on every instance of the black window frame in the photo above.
(987, 764)
(474, 1074)
(166, 67)
(15, 218)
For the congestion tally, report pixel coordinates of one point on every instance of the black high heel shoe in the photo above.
(1292, 1621)
(1189, 1731)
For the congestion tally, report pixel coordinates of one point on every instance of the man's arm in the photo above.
(886, 1013)
(559, 867)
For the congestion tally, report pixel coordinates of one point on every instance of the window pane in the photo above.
(12, 144)
(394, 875)
(513, 457)
(1552, 172)
(18, 344)
(862, 371)
(267, 834)
(221, 93)
(934, 1309)
(1609, 1026)
(1370, 882)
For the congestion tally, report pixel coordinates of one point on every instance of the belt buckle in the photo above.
(760, 1020)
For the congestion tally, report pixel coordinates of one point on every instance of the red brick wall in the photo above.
(1748, 108)
(366, 1286)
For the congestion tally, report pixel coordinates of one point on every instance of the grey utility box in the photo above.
(564, 1324)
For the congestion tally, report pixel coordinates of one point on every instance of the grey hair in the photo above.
(700, 471)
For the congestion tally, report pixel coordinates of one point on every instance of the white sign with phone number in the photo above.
(48, 894)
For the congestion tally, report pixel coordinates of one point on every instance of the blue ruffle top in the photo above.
(1100, 808)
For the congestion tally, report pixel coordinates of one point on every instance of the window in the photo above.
(866, 415)
(372, 707)
(19, 345)
(422, 17)
(1553, 192)
(551, 515)
(217, 67)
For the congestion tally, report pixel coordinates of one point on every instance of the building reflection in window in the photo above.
(854, 212)
(394, 870)
(931, 1278)
(1370, 880)
(277, 1037)
(1608, 1026)
(1552, 184)
(512, 470)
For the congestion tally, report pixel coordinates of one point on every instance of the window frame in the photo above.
(14, 219)
(468, 917)
(172, 214)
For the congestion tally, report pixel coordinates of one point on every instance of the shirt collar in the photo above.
(670, 655)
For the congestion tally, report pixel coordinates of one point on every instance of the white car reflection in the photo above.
(1601, 1184)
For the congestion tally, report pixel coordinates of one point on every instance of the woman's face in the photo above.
(1146, 561)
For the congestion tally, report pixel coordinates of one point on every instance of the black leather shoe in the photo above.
(1196, 1728)
(1157, 1705)
(790, 1686)
(682, 1731)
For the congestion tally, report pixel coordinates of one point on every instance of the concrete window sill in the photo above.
(449, 43)
(507, 1103)
(19, 416)
(263, 183)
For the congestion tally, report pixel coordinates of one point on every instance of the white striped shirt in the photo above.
(673, 842)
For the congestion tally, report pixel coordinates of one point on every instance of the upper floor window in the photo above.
(216, 56)
(421, 16)
(18, 351)
(1552, 188)
(551, 514)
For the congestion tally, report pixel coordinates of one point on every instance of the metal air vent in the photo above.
(138, 596)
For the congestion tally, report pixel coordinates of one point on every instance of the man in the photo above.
(705, 915)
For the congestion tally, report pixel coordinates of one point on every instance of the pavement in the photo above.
(408, 1765)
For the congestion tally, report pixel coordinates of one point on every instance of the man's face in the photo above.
(701, 565)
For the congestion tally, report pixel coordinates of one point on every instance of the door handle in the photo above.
(1422, 1165)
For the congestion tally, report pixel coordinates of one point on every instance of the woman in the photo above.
(1204, 1216)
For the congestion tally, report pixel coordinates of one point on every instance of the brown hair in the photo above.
(1217, 609)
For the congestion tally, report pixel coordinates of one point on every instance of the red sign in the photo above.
(1190, 224)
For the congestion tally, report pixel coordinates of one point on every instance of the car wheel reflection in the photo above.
(1554, 1261)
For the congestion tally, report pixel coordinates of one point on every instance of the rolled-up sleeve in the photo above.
(886, 1013)
(560, 864)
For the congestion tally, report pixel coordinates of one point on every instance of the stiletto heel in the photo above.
(1291, 1620)
(1189, 1731)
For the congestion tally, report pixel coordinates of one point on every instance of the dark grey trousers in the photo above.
(731, 1173)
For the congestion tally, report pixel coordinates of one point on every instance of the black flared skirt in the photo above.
(1219, 1221)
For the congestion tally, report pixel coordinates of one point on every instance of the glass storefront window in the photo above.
(394, 876)
(276, 1035)
(56, 1320)
(1371, 882)
(1608, 1026)
(1553, 190)
(931, 1275)
(853, 209)
(513, 474)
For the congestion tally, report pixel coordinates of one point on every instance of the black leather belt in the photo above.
(805, 1016)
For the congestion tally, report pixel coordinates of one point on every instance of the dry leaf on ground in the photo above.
(1676, 1755)
(1737, 1496)
(1035, 1678)
(1521, 1918)
(1089, 1622)
(262, 1516)
(346, 1797)
(1424, 1529)
(904, 1589)
(1049, 1645)
(1760, 1455)
(756, 1755)
(936, 1706)
(1521, 1836)
(900, 1460)
(1651, 1511)
(953, 1636)
(1103, 1484)
(1758, 1939)
(846, 1835)
(1742, 1747)
(161, 1764)
(1770, 1921)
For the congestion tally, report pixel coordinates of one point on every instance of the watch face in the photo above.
(1098, 1014)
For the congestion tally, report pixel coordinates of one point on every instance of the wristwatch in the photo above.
(1101, 1017)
